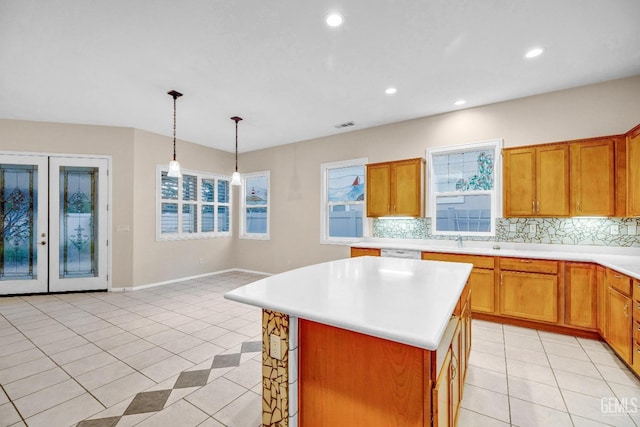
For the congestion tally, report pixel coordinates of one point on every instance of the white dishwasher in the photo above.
(401, 253)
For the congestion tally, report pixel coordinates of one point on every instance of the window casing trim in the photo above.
(496, 193)
(198, 202)
(324, 205)
(243, 207)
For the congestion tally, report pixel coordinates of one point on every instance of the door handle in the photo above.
(624, 310)
(43, 243)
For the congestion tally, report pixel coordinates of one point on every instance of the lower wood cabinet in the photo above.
(530, 296)
(364, 252)
(619, 322)
(580, 303)
(481, 278)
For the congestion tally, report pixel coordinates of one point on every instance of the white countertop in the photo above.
(407, 301)
(623, 260)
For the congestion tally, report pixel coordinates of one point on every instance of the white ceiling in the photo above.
(292, 78)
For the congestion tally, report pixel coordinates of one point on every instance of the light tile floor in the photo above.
(182, 355)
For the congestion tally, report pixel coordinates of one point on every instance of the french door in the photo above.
(53, 224)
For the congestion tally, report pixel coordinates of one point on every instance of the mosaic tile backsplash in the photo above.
(621, 232)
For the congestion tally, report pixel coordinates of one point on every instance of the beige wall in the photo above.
(159, 261)
(40, 137)
(138, 259)
(602, 109)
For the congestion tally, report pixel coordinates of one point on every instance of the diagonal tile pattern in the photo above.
(181, 354)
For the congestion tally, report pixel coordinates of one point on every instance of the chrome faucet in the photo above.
(459, 240)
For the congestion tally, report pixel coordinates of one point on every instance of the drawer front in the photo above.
(618, 281)
(636, 332)
(636, 310)
(478, 261)
(529, 265)
(636, 290)
(364, 252)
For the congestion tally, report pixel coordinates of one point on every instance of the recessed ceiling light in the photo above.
(334, 20)
(390, 90)
(534, 52)
(460, 102)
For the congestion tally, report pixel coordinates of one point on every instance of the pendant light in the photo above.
(235, 178)
(174, 166)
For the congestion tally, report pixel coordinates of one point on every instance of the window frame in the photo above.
(180, 235)
(325, 204)
(496, 193)
(243, 207)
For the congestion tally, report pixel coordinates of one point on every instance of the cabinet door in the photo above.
(441, 395)
(580, 295)
(406, 196)
(619, 324)
(455, 386)
(529, 296)
(378, 189)
(633, 172)
(519, 183)
(592, 178)
(483, 290)
(552, 180)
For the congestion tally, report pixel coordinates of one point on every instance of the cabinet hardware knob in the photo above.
(501, 279)
(626, 307)
(43, 243)
(527, 261)
(617, 276)
(538, 206)
(578, 206)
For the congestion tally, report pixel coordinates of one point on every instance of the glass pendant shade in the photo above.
(174, 169)
(235, 178)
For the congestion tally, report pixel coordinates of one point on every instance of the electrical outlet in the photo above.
(512, 228)
(532, 228)
(615, 229)
(201, 260)
(275, 349)
(632, 230)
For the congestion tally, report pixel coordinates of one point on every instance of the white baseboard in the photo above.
(182, 279)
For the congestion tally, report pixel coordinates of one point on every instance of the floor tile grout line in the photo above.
(14, 405)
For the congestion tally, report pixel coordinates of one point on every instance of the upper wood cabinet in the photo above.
(395, 188)
(633, 172)
(593, 177)
(536, 181)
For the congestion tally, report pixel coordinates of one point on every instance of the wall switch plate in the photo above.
(632, 230)
(275, 349)
(615, 229)
(532, 228)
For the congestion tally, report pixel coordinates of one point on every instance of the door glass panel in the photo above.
(78, 222)
(18, 209)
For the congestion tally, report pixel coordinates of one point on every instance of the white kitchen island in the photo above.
(363, 341)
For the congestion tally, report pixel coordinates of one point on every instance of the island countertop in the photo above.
(402, 300)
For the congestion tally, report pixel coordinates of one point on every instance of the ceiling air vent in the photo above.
(344, 125)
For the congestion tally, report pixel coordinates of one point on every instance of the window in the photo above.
(465, 189)
(343, 201)
(254, 201)
(198, 205)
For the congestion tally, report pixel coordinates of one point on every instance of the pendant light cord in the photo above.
(174, 126)
(236, 119)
